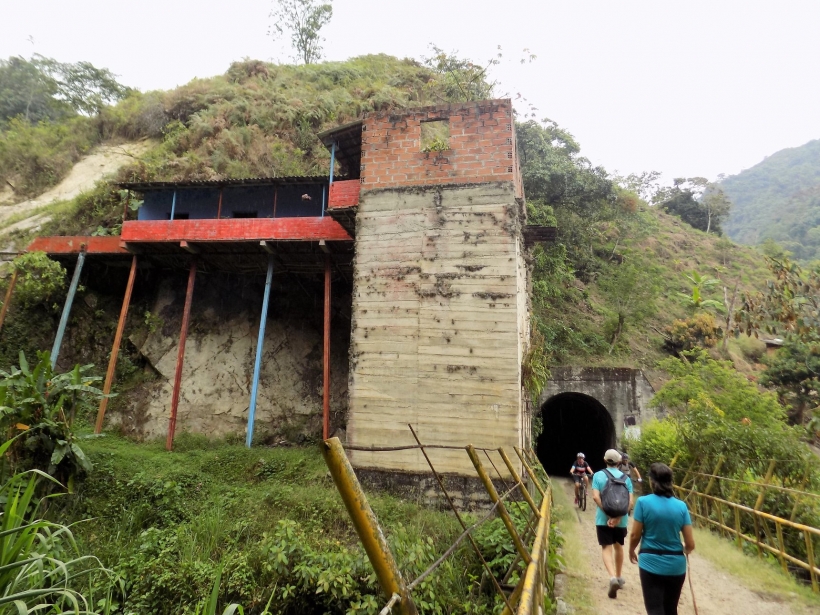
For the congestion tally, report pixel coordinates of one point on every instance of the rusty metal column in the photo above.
(326, 356)
(183, 336)
(366, 525)
(115, 349)
(7, 301)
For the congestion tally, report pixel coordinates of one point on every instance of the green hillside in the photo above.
(779, 199)
(260, 119)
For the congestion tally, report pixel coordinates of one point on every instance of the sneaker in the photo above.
(614, 586)
(621, 582)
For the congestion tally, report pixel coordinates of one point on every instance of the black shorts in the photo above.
(610, 535)
(577, 477)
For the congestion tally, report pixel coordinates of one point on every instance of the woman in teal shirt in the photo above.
(658, 521)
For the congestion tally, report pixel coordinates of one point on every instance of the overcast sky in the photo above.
(685, 87)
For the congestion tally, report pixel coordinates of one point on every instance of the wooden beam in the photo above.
(323, 246)
(183, 336)
(130, 248)
(326, 357)
(267, 247)
(7, 300)
(188, 247)
(115, 349)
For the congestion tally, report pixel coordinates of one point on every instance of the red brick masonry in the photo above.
(344, 194)
(481, 147)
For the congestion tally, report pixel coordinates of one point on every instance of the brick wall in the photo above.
(344, 194)
(481, 147)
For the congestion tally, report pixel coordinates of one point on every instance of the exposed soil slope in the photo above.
(102, 161)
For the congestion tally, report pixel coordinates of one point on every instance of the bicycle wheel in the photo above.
(583, 503)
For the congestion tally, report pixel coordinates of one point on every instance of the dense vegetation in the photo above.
(779, 199)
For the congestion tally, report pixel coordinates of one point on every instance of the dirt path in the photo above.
(102, 161)
(716, 592)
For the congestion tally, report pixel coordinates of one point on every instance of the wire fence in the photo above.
(531, 546)
(793, 544)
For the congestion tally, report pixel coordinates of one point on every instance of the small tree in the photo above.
(301, 20)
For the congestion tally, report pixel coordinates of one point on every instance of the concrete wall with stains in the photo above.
(439, 323)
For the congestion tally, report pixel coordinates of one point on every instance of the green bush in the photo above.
(659, 441)
(699, 331)
(36, 407)
(39, 279)
(34, 157)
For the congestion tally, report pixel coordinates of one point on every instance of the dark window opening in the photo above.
(435, 136)
(178, 216)
(246, 214)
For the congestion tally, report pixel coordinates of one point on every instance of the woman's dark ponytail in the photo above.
(661, 475)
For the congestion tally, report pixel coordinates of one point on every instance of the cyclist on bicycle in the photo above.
(580, 471)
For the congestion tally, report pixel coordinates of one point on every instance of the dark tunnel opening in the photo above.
(573, 423)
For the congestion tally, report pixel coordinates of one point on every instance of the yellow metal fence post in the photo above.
(502, 511)
(366, 525)
(518, 480)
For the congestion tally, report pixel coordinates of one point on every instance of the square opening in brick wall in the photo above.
(435, 136)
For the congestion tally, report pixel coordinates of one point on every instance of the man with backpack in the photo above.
(612, 492)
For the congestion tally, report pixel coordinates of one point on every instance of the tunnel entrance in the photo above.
(572, 423)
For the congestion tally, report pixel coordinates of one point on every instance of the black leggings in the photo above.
(661, 592)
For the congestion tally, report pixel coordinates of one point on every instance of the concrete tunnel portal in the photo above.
(572, 423)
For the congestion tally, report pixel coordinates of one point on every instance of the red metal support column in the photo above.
(115, 349)
(326, 356)
(7, 301)
(219, 207)
(183, 336)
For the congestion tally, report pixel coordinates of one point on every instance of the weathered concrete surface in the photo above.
(439, 324)
(219, 356)
(624, 392)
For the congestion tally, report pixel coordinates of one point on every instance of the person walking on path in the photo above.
(612, 529)
(658, 521)
(629, 468)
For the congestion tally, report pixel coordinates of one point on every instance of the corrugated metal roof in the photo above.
(218, 183)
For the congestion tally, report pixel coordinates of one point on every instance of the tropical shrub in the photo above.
(36, 409)
(699, 331)
(39, 279)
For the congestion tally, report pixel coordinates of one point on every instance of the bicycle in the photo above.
(582, 494)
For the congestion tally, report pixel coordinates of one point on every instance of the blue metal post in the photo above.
(332, 160)
(72, 290)
(173, 204)
(323, 201)
(257, 366)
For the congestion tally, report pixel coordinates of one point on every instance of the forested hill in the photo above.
(779, 199)
(620, 273)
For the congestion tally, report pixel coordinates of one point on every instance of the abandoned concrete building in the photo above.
(395, 292)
